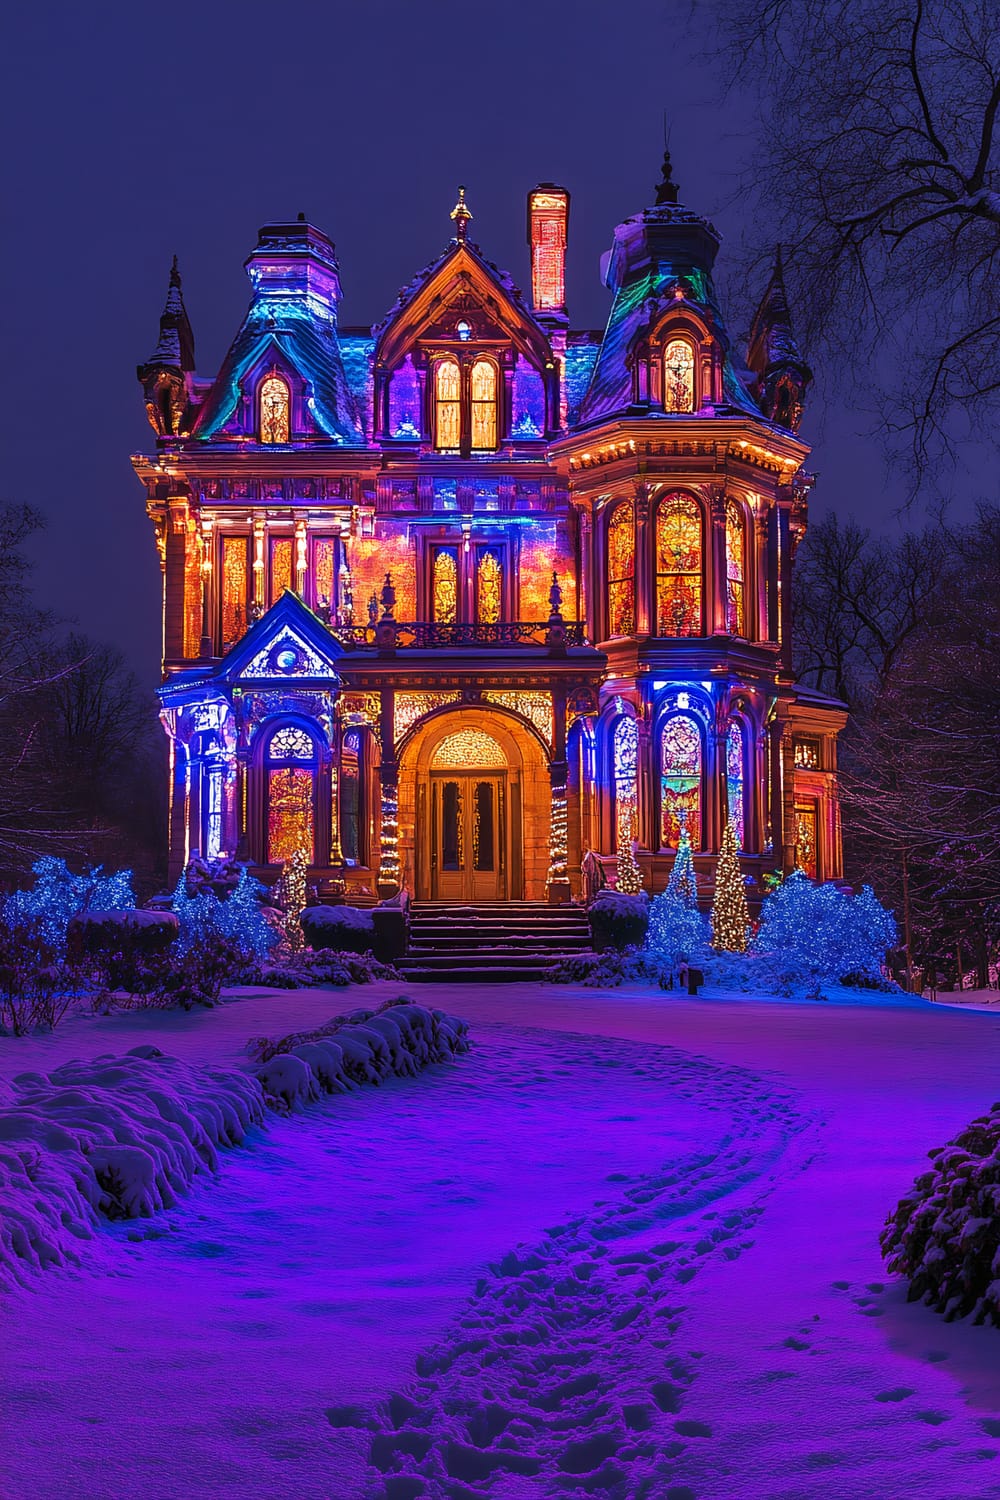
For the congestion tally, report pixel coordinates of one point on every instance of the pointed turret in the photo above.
(781, 372)
(164, 376)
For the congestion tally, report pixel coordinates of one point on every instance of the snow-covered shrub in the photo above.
(944, 1235)
(36, 987)
(124, 948)
(601, 971)
(677, 931)
(819, 932)
(618, 920)
(221, 876)
(342, 928)
(119, 1137)
(305, 970)
(58, 895)
(397, 1038)
(287, 1080)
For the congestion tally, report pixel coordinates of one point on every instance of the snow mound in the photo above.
(944, 1235)
(119, 1137)
(362, 1047)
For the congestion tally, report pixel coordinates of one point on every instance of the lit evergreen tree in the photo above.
(683, 883)
(730, 915)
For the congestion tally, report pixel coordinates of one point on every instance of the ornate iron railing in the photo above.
(425, 635)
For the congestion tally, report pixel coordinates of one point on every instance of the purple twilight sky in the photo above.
(137, 131)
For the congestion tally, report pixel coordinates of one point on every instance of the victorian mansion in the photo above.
(452, 600)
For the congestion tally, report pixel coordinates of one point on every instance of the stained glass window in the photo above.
(482, 827)
(678, 566)
(213, 820)
(281, 566)
(678, 376)
(289, 812)
(807, 757)
(626, 763)
(805, 838)
(447, 405)
(489, 589)
(290, 743)
(351, 805)
(446, 585)
(680, 780)
(735, 782)
(735, 554)
(469, 749)
(621, 571)
(484, 405)
(274, 410)
(234, 590)
(324, 555)
(192, 596)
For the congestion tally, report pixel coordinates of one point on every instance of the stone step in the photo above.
(482, 960)
(475, 976)
(522, 943)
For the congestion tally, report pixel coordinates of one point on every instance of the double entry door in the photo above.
(469, 836)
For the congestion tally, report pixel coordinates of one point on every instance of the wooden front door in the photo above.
(469, 836)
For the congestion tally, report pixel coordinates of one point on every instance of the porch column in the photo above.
(387, 883)
(557, 883)
(259, 545)
(645, 609)
(584, 592)
(719, 594)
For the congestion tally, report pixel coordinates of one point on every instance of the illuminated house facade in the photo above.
(450, 601)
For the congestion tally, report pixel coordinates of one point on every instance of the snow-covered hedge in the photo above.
(121, 1136)
(618, 920)
(344, 928)
(305, 970)
(944, 1235)
(364, 1046)
(106, 931)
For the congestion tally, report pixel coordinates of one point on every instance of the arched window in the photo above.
(290, 767)
(445, 586)
(678, 566)
(621, 570)
(735, 565)
(735, 762)
(626, 764)
(447, 405)
(678, 376)
(680, 780)
(484, 405)
(275, 424)
(489, 588)
(463, 330)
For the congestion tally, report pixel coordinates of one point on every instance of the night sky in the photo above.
(136, 131)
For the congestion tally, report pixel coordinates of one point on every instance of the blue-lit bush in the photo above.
(820, 933)
(58, 895)
(237, 922)
(678, 932)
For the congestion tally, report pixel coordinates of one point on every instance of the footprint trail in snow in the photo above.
(568, 1374)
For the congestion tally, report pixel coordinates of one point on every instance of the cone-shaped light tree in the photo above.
(730, 914)
(683, 885)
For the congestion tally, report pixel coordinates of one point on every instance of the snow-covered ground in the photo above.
(627, 1246)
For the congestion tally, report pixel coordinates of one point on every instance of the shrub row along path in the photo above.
(628, 1246)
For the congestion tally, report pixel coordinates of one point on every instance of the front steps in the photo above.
(491, 942)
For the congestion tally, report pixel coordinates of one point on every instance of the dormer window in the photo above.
(466, 410)
(484, 405)
(678, 376)
(275, 403)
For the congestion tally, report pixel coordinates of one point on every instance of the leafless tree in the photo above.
(879, 171)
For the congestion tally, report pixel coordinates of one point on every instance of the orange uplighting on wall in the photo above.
(548, 215)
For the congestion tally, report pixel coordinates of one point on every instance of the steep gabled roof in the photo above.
(462, 267)
(287, 626)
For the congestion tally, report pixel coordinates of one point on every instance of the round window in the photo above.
(285, 659)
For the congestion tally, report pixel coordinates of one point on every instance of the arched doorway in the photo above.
(474, 808)
(469, 818)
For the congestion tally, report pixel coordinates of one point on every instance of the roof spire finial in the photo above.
(461, 214)
(175, 275)
(667, 190)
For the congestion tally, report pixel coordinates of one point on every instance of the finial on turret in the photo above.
(175, 275)
(667, 190)
(461, 214)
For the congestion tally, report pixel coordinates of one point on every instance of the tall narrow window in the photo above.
(291, 779)
(484, 405)
(678, 376)
(626, 762)
(235, 576)
(621, 571)
(489, 588)
(352, 840)
(447, 405)
(735, 580)
(282, 548)
(323, 559)
(678, 566)
(445, 585)
(735, 782)
(680, 781)
(805, 842)
(274, 411)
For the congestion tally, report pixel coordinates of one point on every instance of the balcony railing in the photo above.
(426, 635)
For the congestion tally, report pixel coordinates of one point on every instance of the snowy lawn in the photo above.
(696, 1308)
